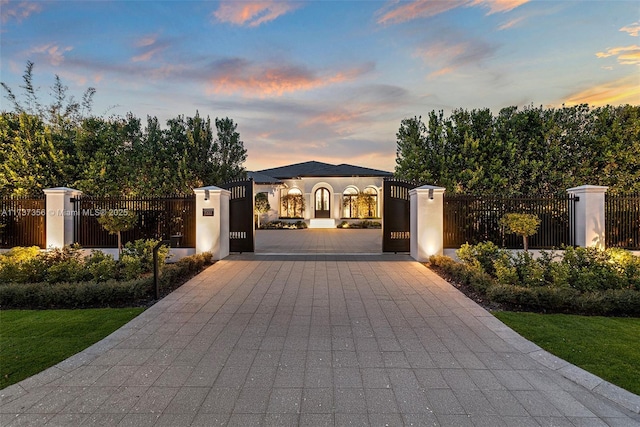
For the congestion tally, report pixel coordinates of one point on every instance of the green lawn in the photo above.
(33, 340)
(608, 347)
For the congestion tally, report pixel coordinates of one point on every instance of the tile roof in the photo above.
(317, 169)
(260, 178)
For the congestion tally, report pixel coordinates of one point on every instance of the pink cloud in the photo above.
(149, 47)
(406, 11)
(251, 79)
(53, 53)
(334, 118)
(145, 41)
(499, 6)
(447, 57)
(418, 9)
(253, 14)
(18, 10)
(510, 24)
(147, 55)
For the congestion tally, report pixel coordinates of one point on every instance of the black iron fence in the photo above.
(157, 218)
(622, 221)
(475, 219)
(23, 222)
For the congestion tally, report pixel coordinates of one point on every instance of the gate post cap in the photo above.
(61, 190)
(427, 188)
(210, 188)
(588, 189)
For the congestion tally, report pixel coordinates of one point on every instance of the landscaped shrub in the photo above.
(94, 293)
(101, 266)
(67, 264)
(282, 225)
(482, 255)
(360, 224)
(75, 295)
(583, 280)
(143, 250)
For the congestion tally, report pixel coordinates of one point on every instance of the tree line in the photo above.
(518, 152)
(63, 144)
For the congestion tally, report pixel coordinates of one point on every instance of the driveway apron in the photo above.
(316, 340)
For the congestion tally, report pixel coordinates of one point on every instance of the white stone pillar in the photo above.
(60, 216)
(212, 221)
(589, 215)
(427, 222)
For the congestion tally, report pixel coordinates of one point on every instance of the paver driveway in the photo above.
(313, 341)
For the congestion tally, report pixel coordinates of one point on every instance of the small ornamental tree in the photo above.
(366, 204)
(293, 205)
(117, 222)
(524, 225)
(261, 205)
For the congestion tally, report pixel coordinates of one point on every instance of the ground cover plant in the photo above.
(577, 280)
(604, 346)
(65, 278)
(33, 340)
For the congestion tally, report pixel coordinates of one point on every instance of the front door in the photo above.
(322, 203)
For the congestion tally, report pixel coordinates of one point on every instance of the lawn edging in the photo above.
(569, 371)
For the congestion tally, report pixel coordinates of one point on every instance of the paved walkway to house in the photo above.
(316, 340)
(319, 241)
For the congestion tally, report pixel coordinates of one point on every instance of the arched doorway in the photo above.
(322, 204)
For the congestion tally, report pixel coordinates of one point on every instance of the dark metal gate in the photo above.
(396, 216)
(241, 228)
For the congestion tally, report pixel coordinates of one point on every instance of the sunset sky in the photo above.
(324, 80)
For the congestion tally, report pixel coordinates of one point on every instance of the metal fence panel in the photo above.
(396, 226)
(622, 221)
(23, 222)
(475, 219)
(158, 218)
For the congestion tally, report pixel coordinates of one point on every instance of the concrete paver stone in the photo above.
(313, 340)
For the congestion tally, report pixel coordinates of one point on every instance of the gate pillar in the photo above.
(60, 216)
(588, 215)
(212, 221)
(427, 222)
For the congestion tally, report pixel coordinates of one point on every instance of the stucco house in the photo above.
(330, 192)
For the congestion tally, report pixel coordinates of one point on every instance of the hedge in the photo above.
(541, 298)
(93, 294)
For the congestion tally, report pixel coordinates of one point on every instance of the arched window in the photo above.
(350, 203)
(292, 204)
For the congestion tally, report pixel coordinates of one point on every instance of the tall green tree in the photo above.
(229, 153)
(59, 143)
(529, 151)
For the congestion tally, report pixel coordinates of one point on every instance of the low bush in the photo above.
(94, 287)
(360, 224)
(283, 225)
(581, 281)
(67, 264)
